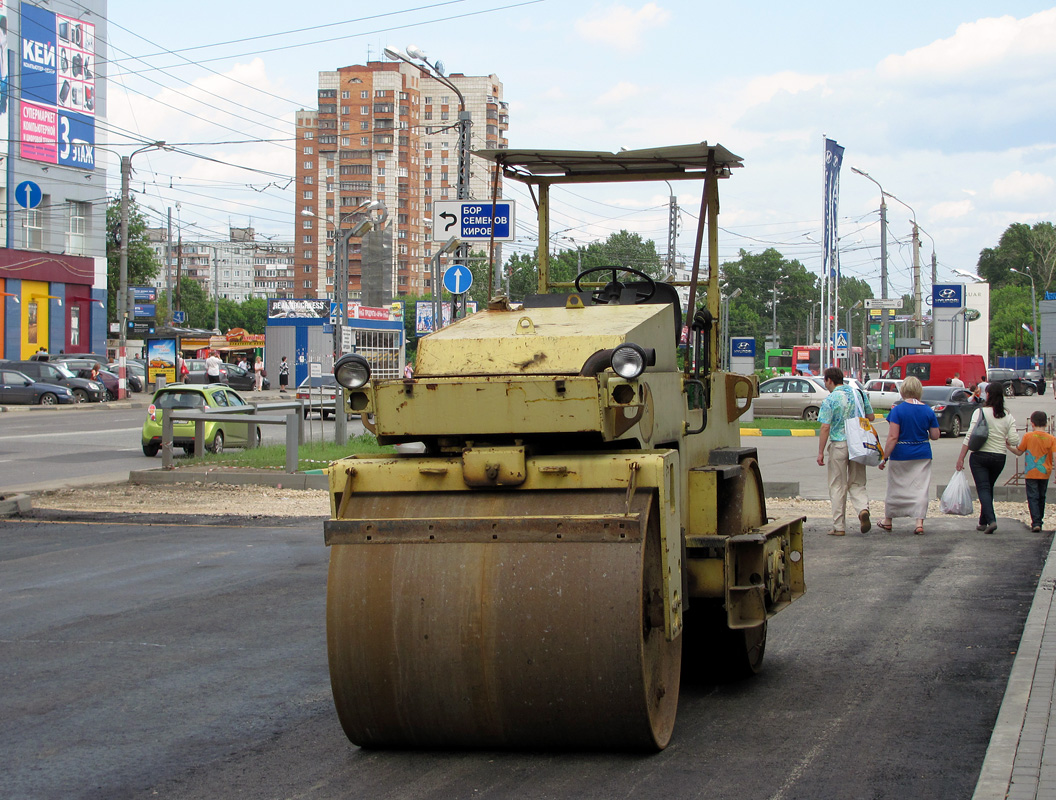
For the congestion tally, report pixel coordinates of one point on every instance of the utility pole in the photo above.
(672, 231)
(918, 317)
(774, 314)
(122, 295)
(216, 292)
(168, 267)
(885, 331)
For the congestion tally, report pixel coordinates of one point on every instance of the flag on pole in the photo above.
(833, 160)
(1026, 327)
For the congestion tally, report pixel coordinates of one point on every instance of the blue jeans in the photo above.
(985, 469)
(1036, 500)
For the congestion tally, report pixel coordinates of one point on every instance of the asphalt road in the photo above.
(54, 448)
(188, 660)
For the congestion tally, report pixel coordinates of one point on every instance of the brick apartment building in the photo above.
(386, 132)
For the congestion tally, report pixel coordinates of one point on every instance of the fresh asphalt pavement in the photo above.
(186, 658)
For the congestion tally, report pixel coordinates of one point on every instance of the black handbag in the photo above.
(980, 433)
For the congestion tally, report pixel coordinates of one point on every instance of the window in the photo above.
(307, 224)
(346, 95)
(307, 267)
(309, 179)
(309, 164)
(309, 134)
(33, 229)
(75, 324)
(364, 126)
(75, 233)
(364, 109)
(307, 284)
(308, 195)
(364, 95)
(428, 101)
(308, 239)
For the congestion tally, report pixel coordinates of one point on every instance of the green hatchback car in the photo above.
(185, 397)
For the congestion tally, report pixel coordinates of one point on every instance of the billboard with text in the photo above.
(57, 108)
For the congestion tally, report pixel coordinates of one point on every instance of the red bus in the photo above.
(806, 358)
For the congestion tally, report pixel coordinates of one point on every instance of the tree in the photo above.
(757, 275)
(1031, 250)
(1009, 309)
(143, 267)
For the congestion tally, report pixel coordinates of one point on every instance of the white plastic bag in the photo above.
(957, 499)
(863, 442)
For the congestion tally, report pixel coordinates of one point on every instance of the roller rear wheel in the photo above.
(532, 639)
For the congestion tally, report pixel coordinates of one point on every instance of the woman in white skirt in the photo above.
(912, 425)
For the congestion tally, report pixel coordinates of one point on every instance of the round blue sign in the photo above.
(28, 194)
(458, 279)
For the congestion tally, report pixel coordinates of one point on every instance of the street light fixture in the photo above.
(122, 298)
(885, 336)
(918, 316)
(416, 57)
(1034, 311)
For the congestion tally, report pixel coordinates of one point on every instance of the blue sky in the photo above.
(949, 105)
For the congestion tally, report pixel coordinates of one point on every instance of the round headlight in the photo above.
(352, 371)
(628, 361)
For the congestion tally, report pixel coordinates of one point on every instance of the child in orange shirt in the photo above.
(1039, 447)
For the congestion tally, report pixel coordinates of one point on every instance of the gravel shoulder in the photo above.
(225, 500)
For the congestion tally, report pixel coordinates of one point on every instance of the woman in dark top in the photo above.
(912, 425)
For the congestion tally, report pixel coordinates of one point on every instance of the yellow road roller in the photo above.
(571, 524)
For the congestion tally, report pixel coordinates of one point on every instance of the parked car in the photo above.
(319, 395)
(883, 392)
(218, 435)
(84, 390)
(1035, 376)
(1012, 383)
(135, 373)
(231, 374)
(953, 406)
(799, 398)
(82, 368)
(17, 388)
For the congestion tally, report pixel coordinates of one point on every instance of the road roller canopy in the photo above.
(544, 341)
(684, 161)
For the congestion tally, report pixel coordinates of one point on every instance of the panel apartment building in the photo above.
(240, 268)
(387, 132)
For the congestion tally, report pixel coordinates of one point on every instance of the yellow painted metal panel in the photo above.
(561, 340)
(35, 305)
(703, 504)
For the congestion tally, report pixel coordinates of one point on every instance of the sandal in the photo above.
(919, 531)
(884, 527)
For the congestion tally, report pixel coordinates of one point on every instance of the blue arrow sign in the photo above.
(458, 279)
(28, 194)
(179, 316)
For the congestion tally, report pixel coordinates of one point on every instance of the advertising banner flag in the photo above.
(833, 160)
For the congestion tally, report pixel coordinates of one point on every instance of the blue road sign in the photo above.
(841, 338)
(458, 279)
(179, 316)
(28, 194)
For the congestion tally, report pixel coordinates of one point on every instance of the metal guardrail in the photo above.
(294, 422)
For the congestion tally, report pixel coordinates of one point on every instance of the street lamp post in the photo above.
(122, 298)
(1033, 310)
(885, 336)
(416, 57)
(918, 316)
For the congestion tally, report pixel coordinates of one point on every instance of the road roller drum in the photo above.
(577, 526)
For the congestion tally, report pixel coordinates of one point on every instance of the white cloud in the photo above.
(977, 48)
(620, 93)
(951, 210)
(621, 27)
(1021, 185)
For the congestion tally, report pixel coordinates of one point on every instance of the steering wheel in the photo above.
(611, 292)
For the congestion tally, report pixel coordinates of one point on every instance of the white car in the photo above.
(799, 398)
(883, 392)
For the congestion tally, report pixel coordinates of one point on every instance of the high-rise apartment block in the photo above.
(386, 132)
(239, 269)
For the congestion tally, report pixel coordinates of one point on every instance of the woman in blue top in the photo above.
(911, 427)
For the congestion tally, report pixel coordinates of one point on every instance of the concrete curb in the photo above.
(780, 432)
(300, 480)
(15, 504)
(1016, 763)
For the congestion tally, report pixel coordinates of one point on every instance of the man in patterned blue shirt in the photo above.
(846, 477)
